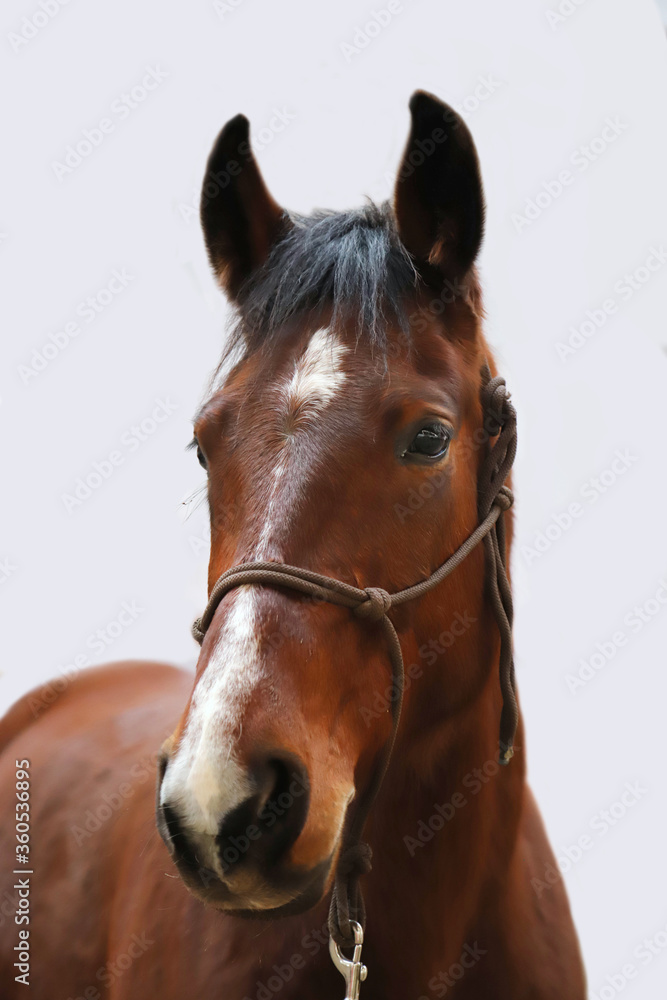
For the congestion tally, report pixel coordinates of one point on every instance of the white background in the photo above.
(128, 206)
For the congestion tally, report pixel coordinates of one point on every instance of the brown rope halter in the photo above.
(373, 605)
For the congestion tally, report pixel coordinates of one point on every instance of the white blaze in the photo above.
(318, 374)
(204, 781)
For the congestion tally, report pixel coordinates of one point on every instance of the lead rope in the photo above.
(347, 914)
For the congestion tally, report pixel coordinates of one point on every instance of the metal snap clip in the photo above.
(352, 970)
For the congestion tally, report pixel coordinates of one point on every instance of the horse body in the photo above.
(345, 437)
(109, 918)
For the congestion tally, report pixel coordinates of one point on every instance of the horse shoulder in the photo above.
(545, 932)
(92, 757)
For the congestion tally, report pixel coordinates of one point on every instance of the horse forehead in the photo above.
(290, 399)
(317, 374)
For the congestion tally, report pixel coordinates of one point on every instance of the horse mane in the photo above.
(351, 263)
(349, 267)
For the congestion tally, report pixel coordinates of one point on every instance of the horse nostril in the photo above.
(285, 809)
(263, 828)
(171, 829)
(163, 760)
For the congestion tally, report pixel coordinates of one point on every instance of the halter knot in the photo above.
(376, 605)
(496, 404)
(504, 498)
(355, 860)
(198, 632)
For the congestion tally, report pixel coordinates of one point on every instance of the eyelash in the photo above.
(437, 430)
(201, 458)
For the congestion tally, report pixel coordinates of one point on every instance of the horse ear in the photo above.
(240, 219)
(438, 200)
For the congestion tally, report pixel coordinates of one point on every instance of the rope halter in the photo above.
(347, 913)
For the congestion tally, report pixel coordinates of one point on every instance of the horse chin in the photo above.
(261, 898)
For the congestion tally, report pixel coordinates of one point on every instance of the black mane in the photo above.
(351, 262)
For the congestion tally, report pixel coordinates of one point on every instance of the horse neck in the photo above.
(444, 828)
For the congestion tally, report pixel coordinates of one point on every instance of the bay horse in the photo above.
(341, 435)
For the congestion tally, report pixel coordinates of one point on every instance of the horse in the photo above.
(343, 434)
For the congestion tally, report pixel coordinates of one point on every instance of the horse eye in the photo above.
(431, 441)
(194, 444)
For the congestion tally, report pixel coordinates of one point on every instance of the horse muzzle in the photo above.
(242, 858)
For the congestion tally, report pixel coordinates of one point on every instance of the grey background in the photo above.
(129, 205)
